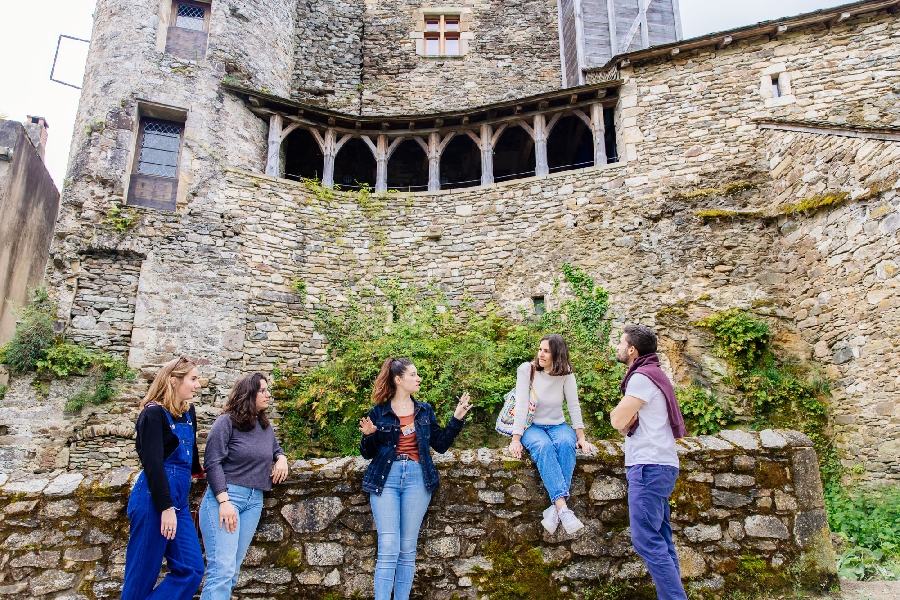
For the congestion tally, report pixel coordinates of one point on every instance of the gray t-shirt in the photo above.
(653, 443)
(240, 457)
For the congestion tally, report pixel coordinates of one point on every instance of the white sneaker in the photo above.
(550, 520)
(569, 521)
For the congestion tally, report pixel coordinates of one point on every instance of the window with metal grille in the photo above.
(160, 143)
(190, 16)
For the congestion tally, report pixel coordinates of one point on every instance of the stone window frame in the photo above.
(772, 76)
(153, 191)
(457, 12)
(183, 43)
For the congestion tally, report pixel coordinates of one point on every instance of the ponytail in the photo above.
(385, 386)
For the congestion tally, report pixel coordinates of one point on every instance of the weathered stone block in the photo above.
(703, 533)
(309, 516)
(807, 479)
(607, 488)
(324, 554)
(443, 547)
(765, 527)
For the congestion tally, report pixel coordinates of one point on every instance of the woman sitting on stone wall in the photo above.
(160, 520)
(397, 436)
(240, 451)
(549, 439)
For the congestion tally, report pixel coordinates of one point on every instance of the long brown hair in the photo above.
(241, 403)
(559, 350)
(385, 386)
(162, 390)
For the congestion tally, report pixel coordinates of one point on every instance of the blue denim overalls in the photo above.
(147, 546)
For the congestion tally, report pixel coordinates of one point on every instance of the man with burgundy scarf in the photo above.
(650, 419)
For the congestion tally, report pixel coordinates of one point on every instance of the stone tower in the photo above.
(593, 31)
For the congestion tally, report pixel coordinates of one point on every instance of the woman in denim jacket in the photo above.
(397, 436)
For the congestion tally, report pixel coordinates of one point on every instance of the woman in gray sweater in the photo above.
(240, 452)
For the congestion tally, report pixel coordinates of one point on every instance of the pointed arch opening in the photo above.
(407, 169)
(303, 158)
(570, 145)
(354, 166)
(460, 163)
(514, 155)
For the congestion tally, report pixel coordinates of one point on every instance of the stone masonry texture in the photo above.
(701, 214)
(63, 534)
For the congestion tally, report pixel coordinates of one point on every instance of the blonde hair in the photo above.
(162, 391)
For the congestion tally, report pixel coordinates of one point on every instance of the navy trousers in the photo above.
(649, 488)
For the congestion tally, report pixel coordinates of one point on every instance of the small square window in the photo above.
(452, 25)
(433, 25)
(539, 305)
(451, 46)
(190, 16)
(776, 88)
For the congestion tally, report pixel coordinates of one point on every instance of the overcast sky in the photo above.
(29, 31)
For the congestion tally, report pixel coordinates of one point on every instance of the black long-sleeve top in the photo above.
(155, 443)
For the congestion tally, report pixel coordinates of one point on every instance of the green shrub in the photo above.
(3, 390)
(703, 415)
(740, 339)
(33, 335)
(454, 347)
(869, 520)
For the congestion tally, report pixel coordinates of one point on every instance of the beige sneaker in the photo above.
(550, 520)
(569, 521)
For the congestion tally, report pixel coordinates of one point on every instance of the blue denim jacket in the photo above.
(381, 446)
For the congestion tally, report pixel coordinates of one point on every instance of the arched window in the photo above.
(407, 170)
(354, 166)
(460, 163)
(570, 145)
(513, 155)
(303, 158)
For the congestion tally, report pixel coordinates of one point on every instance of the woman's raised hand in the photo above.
(366, 426)
(463, 407)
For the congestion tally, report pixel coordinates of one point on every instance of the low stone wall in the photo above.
(747, 514)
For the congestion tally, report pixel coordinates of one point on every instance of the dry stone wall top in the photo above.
(734, 511)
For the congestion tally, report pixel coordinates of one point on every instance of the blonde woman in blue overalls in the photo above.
(158, 512)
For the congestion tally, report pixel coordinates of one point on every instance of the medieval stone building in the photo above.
(671, 170)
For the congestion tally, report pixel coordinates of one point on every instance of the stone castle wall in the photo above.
(365, 52)
(744, 504)
(215, 277)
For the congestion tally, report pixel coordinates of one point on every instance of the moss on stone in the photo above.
(815, 203)
(690, 498)
(290, 559)
(729, 189)
(518, 573)
(771, 475)
(709, 214)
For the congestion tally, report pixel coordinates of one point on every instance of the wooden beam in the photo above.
(840, 18)
(674, 51)
(779, 29)
(725, 41)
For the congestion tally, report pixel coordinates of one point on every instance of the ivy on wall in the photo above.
(455, 349)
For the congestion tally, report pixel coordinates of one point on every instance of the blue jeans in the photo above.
(398, 511)
(225, 551)
(649, 488)
(552, 448)
(147, 546)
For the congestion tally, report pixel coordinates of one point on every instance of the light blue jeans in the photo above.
(552, 448)
(398, 511)
(225, 551)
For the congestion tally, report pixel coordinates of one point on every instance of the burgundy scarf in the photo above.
(648, 365)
